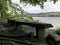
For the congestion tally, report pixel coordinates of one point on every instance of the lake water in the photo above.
(55, 21)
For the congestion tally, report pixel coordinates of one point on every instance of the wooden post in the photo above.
(40, 33)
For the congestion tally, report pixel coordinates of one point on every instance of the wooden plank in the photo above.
(34, 24)
(40, 27)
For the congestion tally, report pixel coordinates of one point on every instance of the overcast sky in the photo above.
(48, 7)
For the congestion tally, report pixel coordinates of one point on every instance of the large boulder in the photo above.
(52, 38)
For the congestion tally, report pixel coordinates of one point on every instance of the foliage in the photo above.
(4, 4)
(36, 2)
(8, 10)
(29, 19)
(58, 31)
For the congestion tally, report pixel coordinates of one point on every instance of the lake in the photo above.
(55, 21)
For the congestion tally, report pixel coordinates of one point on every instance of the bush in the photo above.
(58, 31)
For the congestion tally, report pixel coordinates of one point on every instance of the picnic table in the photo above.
(40, 29)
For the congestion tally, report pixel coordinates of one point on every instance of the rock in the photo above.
(52, 38)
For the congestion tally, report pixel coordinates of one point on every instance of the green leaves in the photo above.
(8, 10)
(36, 2)
(54, 1)
(3, 7)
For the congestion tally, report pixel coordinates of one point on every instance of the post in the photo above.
(40, 33)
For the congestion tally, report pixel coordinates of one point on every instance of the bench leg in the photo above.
(40, 33)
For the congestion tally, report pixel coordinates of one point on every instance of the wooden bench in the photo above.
(40, 31)
(40, 27)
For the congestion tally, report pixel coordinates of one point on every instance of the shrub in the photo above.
(58, 31)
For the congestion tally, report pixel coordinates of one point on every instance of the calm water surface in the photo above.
(55, 21)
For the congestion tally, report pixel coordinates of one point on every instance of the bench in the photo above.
(40, 30)
(40, 27)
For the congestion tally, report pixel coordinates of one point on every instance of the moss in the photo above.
(58, 31)
(1, 27)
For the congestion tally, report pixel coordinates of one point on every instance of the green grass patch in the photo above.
(58, 31)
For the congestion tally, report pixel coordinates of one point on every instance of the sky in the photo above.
(48, 7)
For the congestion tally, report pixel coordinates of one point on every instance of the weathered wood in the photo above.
(34, 24)
(40, 30)
(40, 34)
(40, 27)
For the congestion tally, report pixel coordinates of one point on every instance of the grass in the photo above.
(58, 31)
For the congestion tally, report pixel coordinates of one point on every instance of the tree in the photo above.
(4, 4)
(36, 2)
(8, 10)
